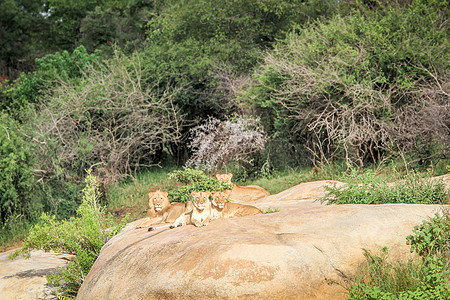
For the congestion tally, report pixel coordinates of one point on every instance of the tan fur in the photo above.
(220, 208)
(247, 193)
(218, 201)
(161, 210)
(157, 202)
(224, 178)
(201, 212)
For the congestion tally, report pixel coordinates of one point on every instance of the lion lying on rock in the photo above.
(221, 208)
(161, 210)
(204, 207)
(243, 193)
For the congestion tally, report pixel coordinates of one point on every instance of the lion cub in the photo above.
(161, 210)
(220, 208)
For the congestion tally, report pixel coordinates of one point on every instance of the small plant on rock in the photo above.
(367, 188)
(194, 181)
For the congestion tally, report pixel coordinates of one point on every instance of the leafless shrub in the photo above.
(107, 119)
(216, 143)
(357, 120)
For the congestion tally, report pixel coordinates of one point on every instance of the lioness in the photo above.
(243, 193)
(224, 178)
(201, 213)
(220, 208)
(161, 210)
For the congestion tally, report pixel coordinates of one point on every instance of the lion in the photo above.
(221, 208)
(161, 210)
(197, 212)
(243, 193)
(224, 178)
(201, 213)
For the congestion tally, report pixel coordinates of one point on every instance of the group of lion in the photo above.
(203, 207)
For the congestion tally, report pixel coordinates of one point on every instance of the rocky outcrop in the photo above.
(291, 254)
(23, 278)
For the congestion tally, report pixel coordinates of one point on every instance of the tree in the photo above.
(106, 118)
(361, 86)
(216, 143)
(23, 34)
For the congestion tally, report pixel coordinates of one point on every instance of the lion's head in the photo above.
(158, 200)
(224, 178)
(220, 198)
(200, 199)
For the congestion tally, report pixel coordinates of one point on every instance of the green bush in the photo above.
(18, 200)
(194, 181)
(51, 70)
(432, 237)
(83, 236)
(361, 86)
(424, 277)
(367, 188)
(381, 278)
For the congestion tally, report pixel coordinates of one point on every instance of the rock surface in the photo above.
(23, 278)
(292, 254)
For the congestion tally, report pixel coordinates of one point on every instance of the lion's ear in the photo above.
(166, 194)
(227, 192)
(230, 174)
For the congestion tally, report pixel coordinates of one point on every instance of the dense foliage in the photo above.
(83, 235)
(362, 86)
(194, 181)
(105, 117)
(18, 201)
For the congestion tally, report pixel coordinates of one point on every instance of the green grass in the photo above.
(368, 188)
(284, 180)
(130, 196)
(425, 276)
(12, 235)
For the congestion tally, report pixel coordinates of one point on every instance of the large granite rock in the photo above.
(292, 254)
(24, 279)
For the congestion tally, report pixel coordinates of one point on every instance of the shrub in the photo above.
(361, 86)
(432, 237)
(194, 181)
(367, 188)
(83, 236)
(382, 278)
(108, 118)
(216, 143)
(18, 200)
(424, 277)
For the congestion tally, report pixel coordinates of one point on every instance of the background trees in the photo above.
(120, 84)
(361, 87)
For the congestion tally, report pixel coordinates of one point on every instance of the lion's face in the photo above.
(200, 199)
(219, 198)
(224, 178)
(159, 200)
